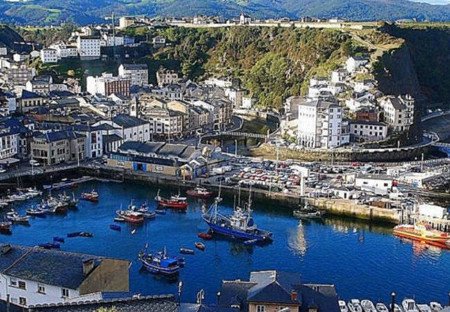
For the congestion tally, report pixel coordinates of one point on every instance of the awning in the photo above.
(9, 161)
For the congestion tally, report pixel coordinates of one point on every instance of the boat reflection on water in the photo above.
(296, 239)
(424, 249)
(348, 226)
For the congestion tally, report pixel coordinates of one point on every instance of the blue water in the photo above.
(362, 261)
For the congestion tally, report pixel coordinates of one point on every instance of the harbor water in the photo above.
(363, 261)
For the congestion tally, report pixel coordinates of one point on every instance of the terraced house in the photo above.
(35, 276)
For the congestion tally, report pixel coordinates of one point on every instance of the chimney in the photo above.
(294, 295)
(5, 249)
(88, 266)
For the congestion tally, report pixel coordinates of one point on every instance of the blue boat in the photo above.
(115, 227)
(58, 239)
(160, 263)
(74, 234)
(239, 226)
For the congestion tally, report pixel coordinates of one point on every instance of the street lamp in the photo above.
(180, 286)
(218, 297)
(392, 301)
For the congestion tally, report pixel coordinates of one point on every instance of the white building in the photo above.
(368, 130)
(136, 73)
(129, 128)
(354, 63)
(88, 47)
(8, 143)
(49, 56)
(339, 75)
(109, 40)
(320, 124)
(34, 276)
(20, 57)
(64, 51)
(432, 211)
(107, 84)
(3, 50)
(374, 182)
(244, 19)
(398, 111)
(159, 40)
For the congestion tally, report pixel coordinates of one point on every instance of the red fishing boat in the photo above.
(175, 202)
(131, 216)
(424, 233)
(92, 196)
(205, 236)
(199, 192)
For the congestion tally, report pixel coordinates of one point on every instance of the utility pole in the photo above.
(236, 148)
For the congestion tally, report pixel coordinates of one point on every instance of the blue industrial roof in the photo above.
(30, 95)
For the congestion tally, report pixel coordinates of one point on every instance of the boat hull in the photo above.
(443, 242)
(236, 234)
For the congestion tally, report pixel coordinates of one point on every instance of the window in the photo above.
(41, 289)
(13, 282)
(22, 301)
(65, 292)
(22, 285)
(260, 308)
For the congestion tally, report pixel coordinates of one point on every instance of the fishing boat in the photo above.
(85, 234)
(91, 196)
(409, 305)
(186, 251)
(199, 192)
(354, 306)
(119, 219)
(14, 217)
(130, 216)
(307, 212)
(424, 233)
(159, 263)
(115, 227)
(143, 209)
(381, 307)
(240, 225)
(205, 236)
(397, 308)
(435, 306)
(50, 246)
(37, 212)
(71, 202)
(368, 306)
(175, 202)
(5, 226)
(342, 306)
(200, 246)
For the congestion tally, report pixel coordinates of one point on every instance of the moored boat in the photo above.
(200, 246)
(435, 306)
(205, 236)
(199, 192)
(5, 226)
(354, 306)
(409, 305)
(424, 308)
(50, 246)
(130, 216)
(14, 217)
(175, 202)
(424, 233)
(58, 239)
(342, 306)
(91, 196)
(397, 308)
(381, 307)
(186, 251)
(115, 227)
(307, 212)
(239, 226)
(159, 263)
(36, 212)
(368, 306)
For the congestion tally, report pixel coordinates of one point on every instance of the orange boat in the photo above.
(424, 233)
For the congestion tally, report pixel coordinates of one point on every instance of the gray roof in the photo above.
(135, 66)
(108, 138)
(163, 303)
(54, 136)
(396, 103)
(172, 149)
(127, 121)
(140, 147)
(51, 267)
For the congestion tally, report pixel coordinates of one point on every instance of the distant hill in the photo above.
(45, 12)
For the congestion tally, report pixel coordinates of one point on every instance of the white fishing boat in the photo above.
(354, 306)
(409, 305)
(424, 308)
(368, 306)
(381, 307)
(343, 306)
(435, 306)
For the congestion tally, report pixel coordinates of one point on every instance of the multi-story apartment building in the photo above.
(129, 128)
(63, 50)
(57, 147)
(108, 84)
(40, 84)
(136, 73)
(30, 100)
(88, 47)
(164, 122)
(320, 124)
(220, 112)
(19, 74)
(398, 111)
(8, 142)
(49, 56)
(35, 276)
(166, 76)
(368, 130)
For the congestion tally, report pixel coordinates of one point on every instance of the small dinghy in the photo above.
(186, 251)
(368, 306)
(250, 242)
(205, 236)
(200, 246)
(381, 307)
(115, 227)
(50, 246)
(58, 239)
